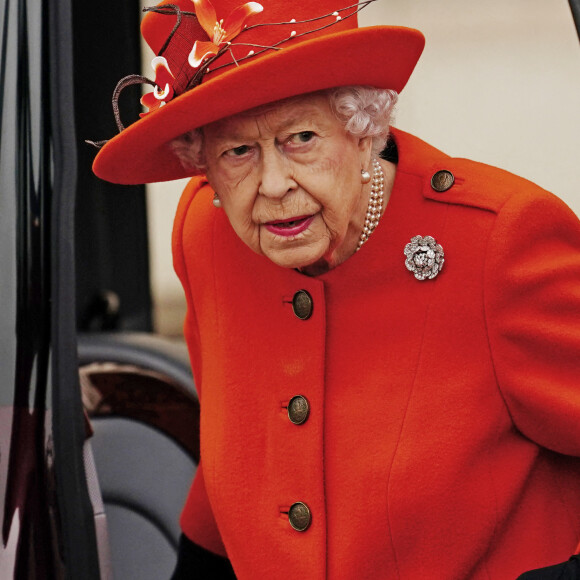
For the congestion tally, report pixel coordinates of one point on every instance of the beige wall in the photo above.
(499, 82)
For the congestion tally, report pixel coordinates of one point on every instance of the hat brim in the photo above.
(379, 56)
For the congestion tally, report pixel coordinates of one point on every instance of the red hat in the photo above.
(219, 58)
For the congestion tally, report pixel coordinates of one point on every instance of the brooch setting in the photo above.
(425, 257)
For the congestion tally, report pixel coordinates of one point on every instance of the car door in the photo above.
(47, 518)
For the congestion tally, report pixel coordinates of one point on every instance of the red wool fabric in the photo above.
(444, 428)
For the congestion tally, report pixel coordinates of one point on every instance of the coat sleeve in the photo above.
(197, 520)
(532, 304)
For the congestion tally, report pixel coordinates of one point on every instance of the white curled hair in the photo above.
(364, 112)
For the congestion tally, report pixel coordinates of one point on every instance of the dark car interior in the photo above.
(139, 395)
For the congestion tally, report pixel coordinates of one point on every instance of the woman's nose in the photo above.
(276, 177)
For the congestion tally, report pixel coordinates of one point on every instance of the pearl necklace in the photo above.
(375, 207)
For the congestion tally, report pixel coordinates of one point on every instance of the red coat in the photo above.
(444, 428)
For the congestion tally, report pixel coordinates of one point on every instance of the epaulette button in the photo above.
(442, 180)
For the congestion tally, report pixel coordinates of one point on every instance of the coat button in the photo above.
(299, 516)
(442, 180)
(298, 409)
(302, 305)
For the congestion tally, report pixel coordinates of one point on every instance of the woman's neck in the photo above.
(353, 236)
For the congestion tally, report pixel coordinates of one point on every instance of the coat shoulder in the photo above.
(459, 181)
(470, 183)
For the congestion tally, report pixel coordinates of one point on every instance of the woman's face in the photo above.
(289, 179)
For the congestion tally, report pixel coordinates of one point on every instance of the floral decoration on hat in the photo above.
(221, 32)
(163, 90)
(425, 257)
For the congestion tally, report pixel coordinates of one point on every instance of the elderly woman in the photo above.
(385, 339)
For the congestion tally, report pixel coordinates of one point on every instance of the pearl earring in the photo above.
(365, 176)
(217, 202)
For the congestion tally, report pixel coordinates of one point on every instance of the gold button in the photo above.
(302, 305)
(298, 409)
(442, 180)
(299, 516)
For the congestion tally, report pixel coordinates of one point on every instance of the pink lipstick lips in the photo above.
(290, 227)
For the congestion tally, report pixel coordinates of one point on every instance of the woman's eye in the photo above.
(238, 151)
(302, 137)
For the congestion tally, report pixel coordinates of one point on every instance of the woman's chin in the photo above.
(298, 260)
(310, 263)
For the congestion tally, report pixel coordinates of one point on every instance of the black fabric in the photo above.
(569, 570)
(390, 152)
(197, 563)
(112, 260)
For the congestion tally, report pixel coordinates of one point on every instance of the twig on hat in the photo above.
(358, 7)
(122, 84)
(232, 55)
(179, 14)
(275, 46)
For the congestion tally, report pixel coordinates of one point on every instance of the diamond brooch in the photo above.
(425, 257)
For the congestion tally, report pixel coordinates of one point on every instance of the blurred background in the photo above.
(498, 82)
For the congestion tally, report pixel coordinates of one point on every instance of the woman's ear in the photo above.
(365, 147)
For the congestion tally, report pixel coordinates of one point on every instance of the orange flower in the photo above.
(220, 32)
(163, 92)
